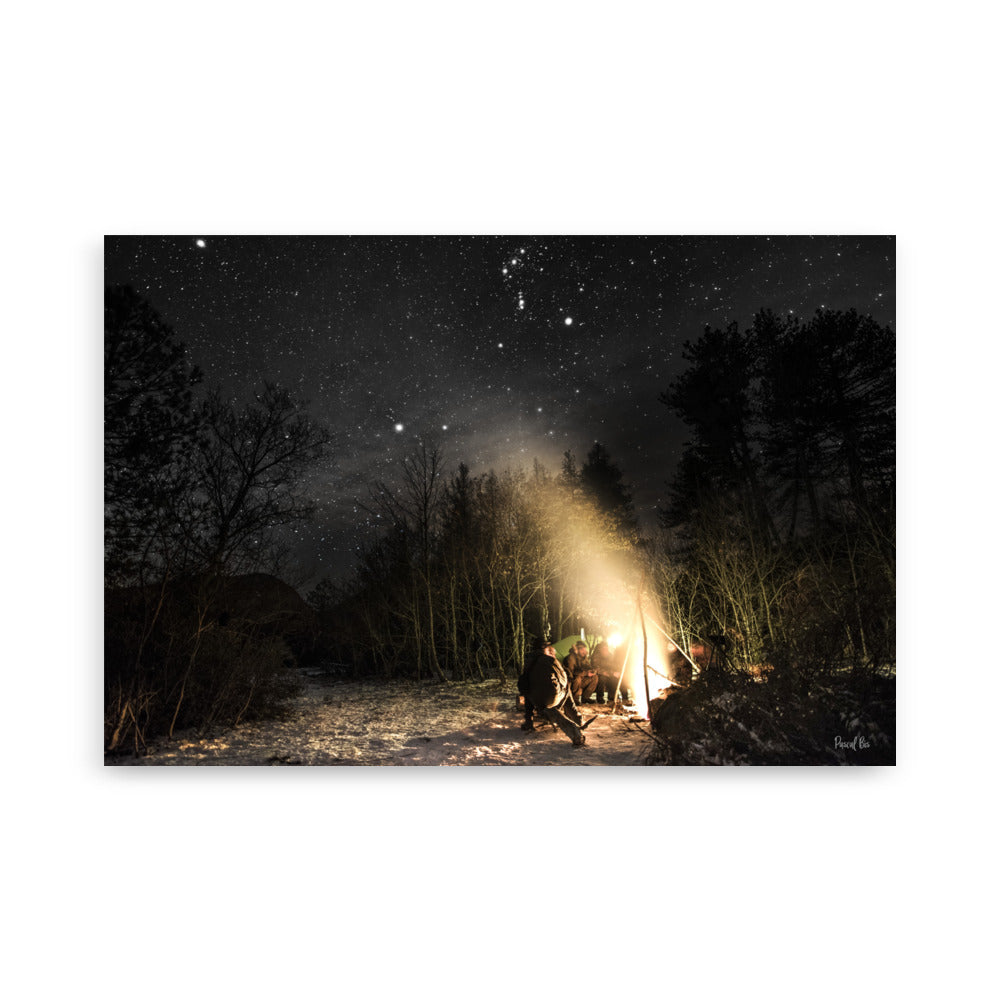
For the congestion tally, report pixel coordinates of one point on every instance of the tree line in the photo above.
(196, 490)
(778, 539)
(782, 512)
(470, 569)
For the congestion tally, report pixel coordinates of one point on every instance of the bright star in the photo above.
(569, 320)
(399, 427)
(199, 243)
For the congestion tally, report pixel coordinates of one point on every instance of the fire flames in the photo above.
(658, 650)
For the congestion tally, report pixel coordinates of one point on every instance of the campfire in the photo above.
(646, 685)
(648, 651)
(648, 663)
(637, 688)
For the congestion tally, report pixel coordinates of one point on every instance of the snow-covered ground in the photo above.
(415, 724)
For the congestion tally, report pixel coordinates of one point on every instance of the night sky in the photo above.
(499, 349)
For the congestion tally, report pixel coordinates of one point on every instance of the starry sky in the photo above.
(498, 349)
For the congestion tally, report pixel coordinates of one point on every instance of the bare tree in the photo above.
(414, 508)
(252, 468)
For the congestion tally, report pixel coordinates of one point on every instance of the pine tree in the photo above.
(150, 433)
(602, 479)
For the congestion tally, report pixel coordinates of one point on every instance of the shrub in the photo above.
(168, 667)
(735, 720)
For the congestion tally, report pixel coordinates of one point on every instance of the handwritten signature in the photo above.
(858, 743)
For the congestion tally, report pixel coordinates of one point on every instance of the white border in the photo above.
(446, 118)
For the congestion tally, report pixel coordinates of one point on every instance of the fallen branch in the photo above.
(638, 725)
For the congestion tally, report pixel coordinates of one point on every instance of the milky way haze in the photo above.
(499, 349)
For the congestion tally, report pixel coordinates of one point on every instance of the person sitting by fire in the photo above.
(602, 659)
(583, 677)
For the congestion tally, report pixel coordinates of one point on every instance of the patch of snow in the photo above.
(405, 724)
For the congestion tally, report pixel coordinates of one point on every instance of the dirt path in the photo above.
(363, 724)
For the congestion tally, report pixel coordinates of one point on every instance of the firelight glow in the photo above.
(607, 581)
(656, 660)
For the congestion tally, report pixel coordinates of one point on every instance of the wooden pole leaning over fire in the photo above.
(695, 669)
(628, 653)
(645, 644)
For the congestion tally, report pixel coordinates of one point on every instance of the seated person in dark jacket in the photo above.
(610, 667)
(546, 689)
(603, 661)
(582, 676)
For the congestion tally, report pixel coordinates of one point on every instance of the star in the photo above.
(200, 244)
(399, 427)
(569, 320)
